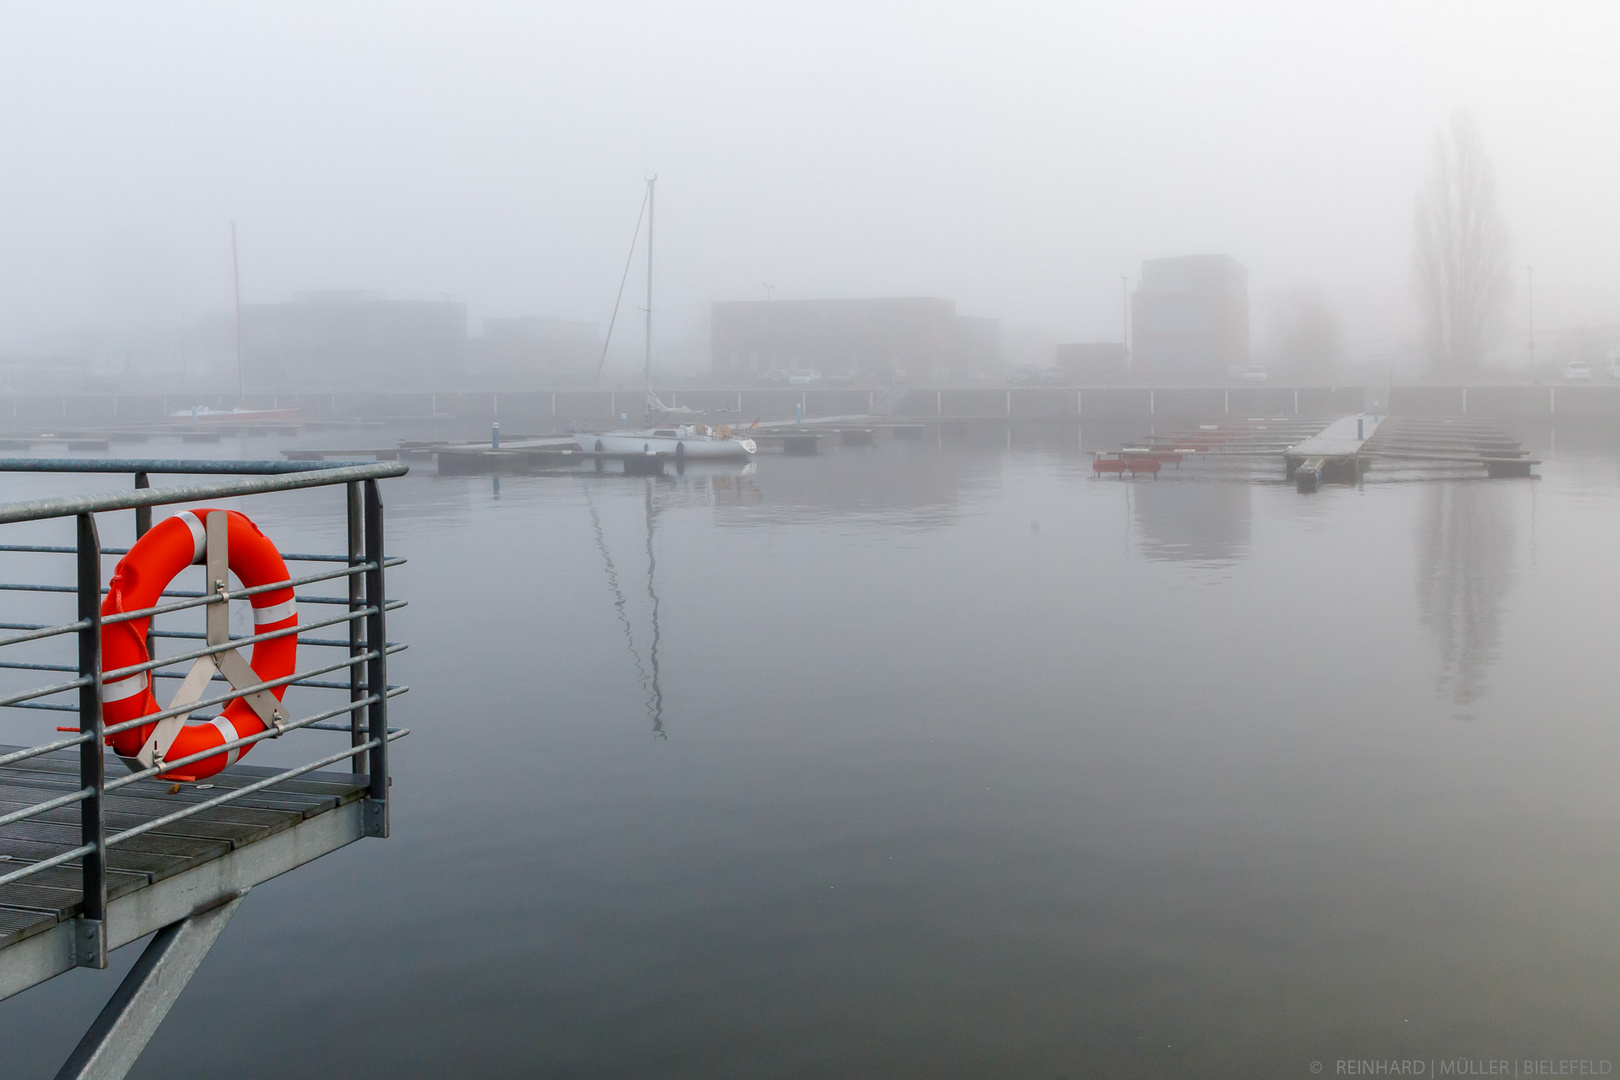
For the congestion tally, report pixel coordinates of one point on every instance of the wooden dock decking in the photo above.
(163, 875)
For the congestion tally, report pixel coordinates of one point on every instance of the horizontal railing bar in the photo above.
(35, 751)
(203, 599)
(393, 692)
(251, 688)
(234, 744)
(47, 691)
(198, 635)
(20, 666)
(181, 466)
(46, 806)
(45, 705)
(269, 733)
(289, 556)
(46, 864)
(269, 635)
(23, 625)
(345, 728)
(194, 594)
(318, 684)
(57, 549)
(45, 632)
(237, 793)
(39, 509)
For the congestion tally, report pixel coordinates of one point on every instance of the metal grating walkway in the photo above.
(175, 855)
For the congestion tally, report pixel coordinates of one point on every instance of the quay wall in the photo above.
(540, 410)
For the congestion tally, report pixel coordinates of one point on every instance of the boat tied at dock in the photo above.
(691, 442)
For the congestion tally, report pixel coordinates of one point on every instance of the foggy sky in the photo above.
(1015, 158)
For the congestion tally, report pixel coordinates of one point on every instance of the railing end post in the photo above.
(377, 666)
(90, 946)
(90, 943)
(376, 817)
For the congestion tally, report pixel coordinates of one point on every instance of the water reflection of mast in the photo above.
(655, 704)
(655, 696)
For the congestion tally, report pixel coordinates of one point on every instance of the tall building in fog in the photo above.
(354, 341)
(532, 352)
(902, 337)
(1190, 319)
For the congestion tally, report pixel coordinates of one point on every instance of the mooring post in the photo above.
(495, 435)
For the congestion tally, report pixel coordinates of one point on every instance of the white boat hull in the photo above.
(693, 447)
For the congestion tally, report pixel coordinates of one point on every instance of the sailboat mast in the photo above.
(650, 182)
(236, 286)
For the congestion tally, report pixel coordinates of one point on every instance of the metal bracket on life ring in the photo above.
(229, 663)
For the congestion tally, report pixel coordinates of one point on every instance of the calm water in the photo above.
(935, 761)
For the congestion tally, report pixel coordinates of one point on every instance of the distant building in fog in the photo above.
(1093, 363)
(1190, 319)
(354, 341)
(903, 337)
(532, 352)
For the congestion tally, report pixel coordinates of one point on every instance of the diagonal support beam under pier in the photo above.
(109, 1049)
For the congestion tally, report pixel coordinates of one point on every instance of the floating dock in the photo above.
(1327, 449)
(1334, 453)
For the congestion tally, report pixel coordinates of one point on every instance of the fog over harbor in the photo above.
(879, 540)
(1016, 160)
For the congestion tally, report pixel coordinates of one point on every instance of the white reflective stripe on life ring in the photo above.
(119, 689)
(228, 729)
(274, 613)
(199, 536)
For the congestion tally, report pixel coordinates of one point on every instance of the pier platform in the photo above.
(165, 874)
(95, 856)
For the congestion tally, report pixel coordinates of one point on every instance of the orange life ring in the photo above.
(138, 582)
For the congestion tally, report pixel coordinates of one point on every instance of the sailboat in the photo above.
(683, 441)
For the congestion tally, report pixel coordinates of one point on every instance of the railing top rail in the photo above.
(189, 466)
(306, 477)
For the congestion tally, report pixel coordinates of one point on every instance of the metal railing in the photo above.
(363, 652)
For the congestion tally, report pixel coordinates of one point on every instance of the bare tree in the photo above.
(1460, 263)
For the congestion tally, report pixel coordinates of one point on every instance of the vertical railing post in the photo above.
(143, 525)
(357, 630)
(90, 941)
(143, 514)
(377, 666)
